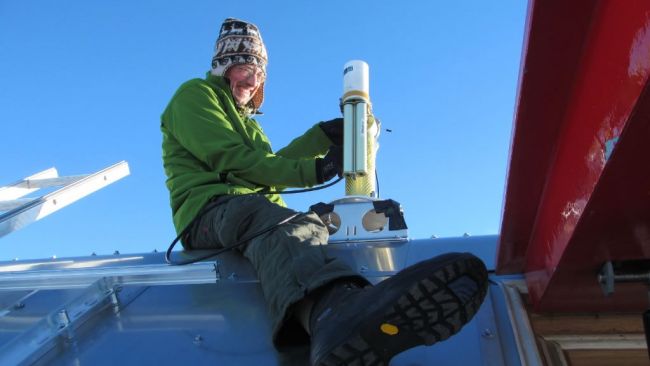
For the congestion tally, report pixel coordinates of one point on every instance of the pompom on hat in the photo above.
(240, 43)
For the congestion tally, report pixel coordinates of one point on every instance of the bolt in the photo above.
(487, 333)
(19, 305)
(198, 339)
(233, 276)
(363, 269)
(115, 301)
(63, 318)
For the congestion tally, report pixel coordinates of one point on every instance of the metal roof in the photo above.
(135, 309)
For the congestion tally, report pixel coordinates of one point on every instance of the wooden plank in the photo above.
(597, 323)
(607, 357)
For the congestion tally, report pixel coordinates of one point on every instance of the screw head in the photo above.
(487, 333)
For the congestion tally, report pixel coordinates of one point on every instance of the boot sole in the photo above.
(432, 309)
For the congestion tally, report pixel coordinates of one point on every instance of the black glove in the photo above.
(330, 165)
(334, 130)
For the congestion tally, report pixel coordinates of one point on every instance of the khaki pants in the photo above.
(289, 260)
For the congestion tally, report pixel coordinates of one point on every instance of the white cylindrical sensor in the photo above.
(356, 83)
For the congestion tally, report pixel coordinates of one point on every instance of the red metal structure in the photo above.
(578, 188)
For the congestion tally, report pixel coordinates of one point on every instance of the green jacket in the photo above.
(210, 149)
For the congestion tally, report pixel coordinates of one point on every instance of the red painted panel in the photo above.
(613, 73)
(615, 225)
(572, 209)
(555, 33)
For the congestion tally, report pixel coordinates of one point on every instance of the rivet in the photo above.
(363, 269)
(487, 333)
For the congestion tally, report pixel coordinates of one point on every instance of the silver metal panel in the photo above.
(21, 319)
(62, 321)
(488, 332)
(373, 259)
(219, 323)
(11, 300)
(483, 247)
(31, 309)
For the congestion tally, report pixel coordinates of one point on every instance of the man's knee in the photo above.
(244, 215)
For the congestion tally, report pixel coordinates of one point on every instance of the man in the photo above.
(217, 158)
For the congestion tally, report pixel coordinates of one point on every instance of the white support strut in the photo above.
(24, 211)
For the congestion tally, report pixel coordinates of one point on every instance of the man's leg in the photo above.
(351, 324)
(289, 260)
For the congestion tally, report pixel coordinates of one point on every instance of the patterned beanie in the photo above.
(239, 43)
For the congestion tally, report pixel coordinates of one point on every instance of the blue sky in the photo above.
(84, 84)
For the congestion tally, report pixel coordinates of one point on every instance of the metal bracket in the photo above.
(357, 218)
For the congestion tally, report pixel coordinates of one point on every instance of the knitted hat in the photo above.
(239, 43)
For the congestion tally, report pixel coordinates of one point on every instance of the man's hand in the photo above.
(330, 165)
(334, 130)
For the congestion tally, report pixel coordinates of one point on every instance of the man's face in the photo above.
(244, 82)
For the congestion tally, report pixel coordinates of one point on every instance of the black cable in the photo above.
(241, 242)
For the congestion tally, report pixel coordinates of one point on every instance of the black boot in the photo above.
(421, 305)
